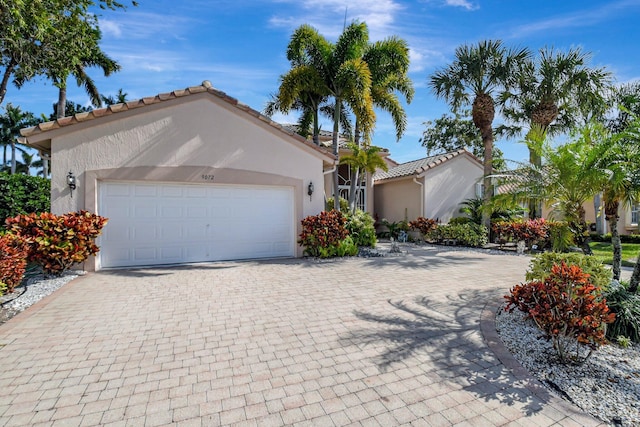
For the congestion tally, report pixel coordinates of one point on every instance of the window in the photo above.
(635, 213)
(480, 190)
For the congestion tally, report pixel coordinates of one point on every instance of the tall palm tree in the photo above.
(388, 62)
(553, 92)
(11, 122)
(475, 77)
(119, 98)
(333, 70)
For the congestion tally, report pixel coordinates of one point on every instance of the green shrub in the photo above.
(22, 194)
(469, 234)
(361, 229)
(626, 306)
(394, 228)
(560, 236)
(344, 205)
(13, 262)
(541, 265)
(321, 234)
(624, 238)
(568, 307)
(460, 220)
(58, 242)
(346, 247)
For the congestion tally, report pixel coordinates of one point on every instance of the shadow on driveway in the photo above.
(448, 334)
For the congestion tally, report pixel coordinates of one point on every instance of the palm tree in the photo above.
(475, 77)
(11, 122)
(388, 62)
(332, 70)
(553, 92)
(361, 159)
(120, 98)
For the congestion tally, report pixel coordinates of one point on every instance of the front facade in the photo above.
(432, 187)
(186, 176)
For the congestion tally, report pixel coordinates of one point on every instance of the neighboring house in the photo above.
(187, 176)
(432, 187)
(594, 214)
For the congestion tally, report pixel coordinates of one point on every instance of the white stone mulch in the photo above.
(607, 386)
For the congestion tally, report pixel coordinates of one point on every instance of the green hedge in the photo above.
(624, 238)
(21, 194)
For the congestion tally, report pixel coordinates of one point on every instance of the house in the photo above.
(187, 176)
(431, 187)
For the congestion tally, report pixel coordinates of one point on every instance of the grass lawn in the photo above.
(604, 252)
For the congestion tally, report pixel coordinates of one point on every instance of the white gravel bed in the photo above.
(37, 288)
(607, 386)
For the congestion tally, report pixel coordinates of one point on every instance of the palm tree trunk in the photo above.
(635, 277)
(355, 175)
(316, 127)
(535, 205)
(62, 101)
(487, 141)
(336, 152)
(13, 157)
(612, 217)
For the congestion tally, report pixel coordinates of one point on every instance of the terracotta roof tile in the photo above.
(163, 97)
(416, 167)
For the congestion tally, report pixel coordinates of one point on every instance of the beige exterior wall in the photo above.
(448, 185)
(624, 223)
(397, 200)
(196, 139)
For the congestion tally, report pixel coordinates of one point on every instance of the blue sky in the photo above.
(240, 46)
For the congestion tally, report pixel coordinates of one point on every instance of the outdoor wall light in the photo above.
(71, 182)
(310, 190)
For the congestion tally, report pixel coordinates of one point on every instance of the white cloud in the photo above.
(328, 16)
(461, 3)
(110, 28)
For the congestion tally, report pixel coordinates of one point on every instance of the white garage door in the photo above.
(160, 223)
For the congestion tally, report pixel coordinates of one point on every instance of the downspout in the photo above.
(415, 179)
(324, 173)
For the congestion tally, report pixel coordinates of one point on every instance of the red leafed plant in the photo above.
(57, 242)
(530, 230)
(323, 232)
(13, 262)
(423, 225)
(567, 307)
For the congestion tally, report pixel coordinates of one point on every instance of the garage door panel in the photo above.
(154, 223)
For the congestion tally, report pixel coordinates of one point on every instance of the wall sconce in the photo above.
(310, 190)
(71, 182)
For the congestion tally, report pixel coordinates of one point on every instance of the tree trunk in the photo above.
(62, 101)
(316, 127)
(355, 175)
(336, 152)
(487, 140)
(535, 205)
(13, 157)
(612, 217)
(598, 217)
(5, 79)
(635, 277)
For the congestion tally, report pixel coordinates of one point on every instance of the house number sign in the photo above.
(207, 177)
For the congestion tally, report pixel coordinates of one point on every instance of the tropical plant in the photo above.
(332, 70)
(11, 122)
(474, 78)
(322, 234)
(55, 242)
(626, 306)
(423, 225)
(366, 159)
(568, 308)
(13, 262)
(469, 234)
(119, 98)
(541, 265)
(553, 91)
(360, 226)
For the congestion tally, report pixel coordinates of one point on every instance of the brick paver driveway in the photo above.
(379, 341)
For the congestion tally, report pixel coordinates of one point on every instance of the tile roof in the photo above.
(416, 167)
(159, 98)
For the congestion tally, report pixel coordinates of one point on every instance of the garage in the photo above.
(170, 223)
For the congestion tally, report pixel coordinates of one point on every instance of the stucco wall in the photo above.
(448, 185)
(397, 200)
(197, 139)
